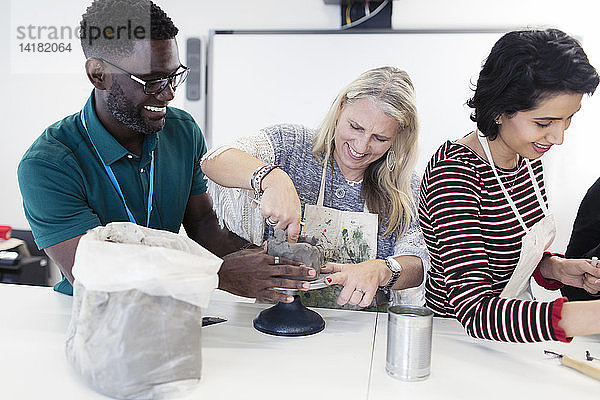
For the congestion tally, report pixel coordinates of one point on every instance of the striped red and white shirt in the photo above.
(474, 240)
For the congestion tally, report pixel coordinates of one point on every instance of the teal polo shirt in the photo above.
(66, 190)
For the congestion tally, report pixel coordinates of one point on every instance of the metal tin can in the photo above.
(409, 342)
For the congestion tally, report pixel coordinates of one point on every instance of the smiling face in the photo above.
(532, 133)
(126, 99)
(363, 134)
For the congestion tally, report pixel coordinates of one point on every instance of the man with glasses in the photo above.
(126, 156)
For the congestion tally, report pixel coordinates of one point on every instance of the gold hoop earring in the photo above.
(390, 159)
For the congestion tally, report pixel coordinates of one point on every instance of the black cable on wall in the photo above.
(365, 14)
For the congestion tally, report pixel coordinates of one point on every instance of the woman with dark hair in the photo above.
(483, 207)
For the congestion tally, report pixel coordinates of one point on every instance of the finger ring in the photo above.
(271, 222)
(359, 290)
(276, 260)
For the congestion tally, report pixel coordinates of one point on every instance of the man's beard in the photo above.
(123, 110)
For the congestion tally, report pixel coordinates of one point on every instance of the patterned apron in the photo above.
(345, 236)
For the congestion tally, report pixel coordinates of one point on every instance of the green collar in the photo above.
(108, 147)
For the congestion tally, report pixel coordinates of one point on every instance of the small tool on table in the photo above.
(581, 366)
(212, 320)
(589, 357)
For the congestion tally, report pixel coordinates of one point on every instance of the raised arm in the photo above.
(231, 168)
(279, 202)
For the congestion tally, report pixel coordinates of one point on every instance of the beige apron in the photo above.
(345, 236)
(533, 244)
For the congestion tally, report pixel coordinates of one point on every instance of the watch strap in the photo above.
(258, 175)
(396, 269)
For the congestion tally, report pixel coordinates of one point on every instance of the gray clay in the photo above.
(124, 343)
(305, 251)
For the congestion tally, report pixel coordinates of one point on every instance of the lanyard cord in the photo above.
(115, 182)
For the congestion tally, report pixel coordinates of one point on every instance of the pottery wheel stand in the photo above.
(291, 319)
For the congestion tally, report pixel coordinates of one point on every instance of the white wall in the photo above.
(40, 89)
(576, 17)
(283, 82)
(54, 86)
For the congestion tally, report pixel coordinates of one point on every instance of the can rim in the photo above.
(410, 311)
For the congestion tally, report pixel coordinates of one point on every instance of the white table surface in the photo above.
(466, 368)
(238, 362)
(345, 361)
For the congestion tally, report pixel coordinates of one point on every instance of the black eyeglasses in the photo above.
(155, 86)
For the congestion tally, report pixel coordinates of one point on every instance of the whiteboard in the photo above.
(256, 79)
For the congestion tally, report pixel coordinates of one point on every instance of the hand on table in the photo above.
(360, 281)
(252, 273)
(280, 203)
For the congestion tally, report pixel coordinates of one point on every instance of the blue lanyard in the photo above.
(114, 181)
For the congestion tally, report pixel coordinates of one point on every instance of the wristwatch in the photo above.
(396, 269)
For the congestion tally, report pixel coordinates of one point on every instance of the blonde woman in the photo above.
(352, 182)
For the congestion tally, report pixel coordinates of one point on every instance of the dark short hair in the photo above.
(108, 27)
(525, 68)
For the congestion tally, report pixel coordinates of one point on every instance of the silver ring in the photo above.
(271, 222)
(276, 260)
(359, 290)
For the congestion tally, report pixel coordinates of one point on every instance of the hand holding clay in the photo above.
(281, 204)
(360, 280)
(309, 254)
(252, 273)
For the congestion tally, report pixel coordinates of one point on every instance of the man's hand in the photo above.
(252, 273)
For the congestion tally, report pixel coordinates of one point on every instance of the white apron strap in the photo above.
(536, 187)
(488, 153)
(322, 187)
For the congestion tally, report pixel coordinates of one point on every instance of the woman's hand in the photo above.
(360, 280)
(280, 203)
(573, 272)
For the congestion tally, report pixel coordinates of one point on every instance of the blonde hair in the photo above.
(386, 193)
